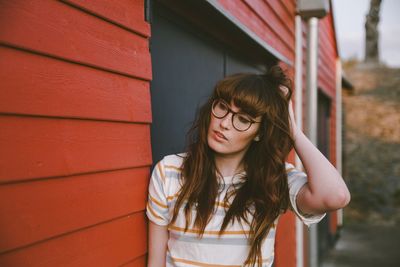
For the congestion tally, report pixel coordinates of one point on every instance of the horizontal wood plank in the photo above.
(127, 13)
(35, 147)
(289, 5)
(266, 14)
(37, 85)
(138, 262)
(283, 16)
(57, 29)
(42, 209)
(108, 244)
(247, 16)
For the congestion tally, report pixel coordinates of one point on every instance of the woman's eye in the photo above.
(244, 119)
(222, 106)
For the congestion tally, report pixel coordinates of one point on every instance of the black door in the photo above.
(186, 63)
(325, 238)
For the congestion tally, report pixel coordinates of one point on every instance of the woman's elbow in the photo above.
(339, 200)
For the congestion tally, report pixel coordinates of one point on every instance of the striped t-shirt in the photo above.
(229, 249)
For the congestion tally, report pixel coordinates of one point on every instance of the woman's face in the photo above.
(225, 140)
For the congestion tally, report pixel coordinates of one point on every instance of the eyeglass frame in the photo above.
(233, 114)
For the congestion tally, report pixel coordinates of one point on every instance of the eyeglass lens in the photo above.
(240, 121)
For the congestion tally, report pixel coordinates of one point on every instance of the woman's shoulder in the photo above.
(289, 167)
(173, 161)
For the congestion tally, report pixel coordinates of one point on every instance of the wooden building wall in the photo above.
(75, 137)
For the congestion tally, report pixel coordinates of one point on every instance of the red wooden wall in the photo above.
(75, 133)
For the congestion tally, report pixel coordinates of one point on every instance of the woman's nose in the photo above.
(226, 121)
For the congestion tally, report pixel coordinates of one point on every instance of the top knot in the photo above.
(277, 77)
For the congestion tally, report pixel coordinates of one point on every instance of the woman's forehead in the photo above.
(237, 109)
(233, 106)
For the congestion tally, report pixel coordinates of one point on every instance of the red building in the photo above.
(92, 94)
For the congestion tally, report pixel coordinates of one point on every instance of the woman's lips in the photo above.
(220, 135)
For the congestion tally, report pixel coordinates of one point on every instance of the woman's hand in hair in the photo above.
(292, 120)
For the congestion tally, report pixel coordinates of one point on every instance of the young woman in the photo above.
(218, 203)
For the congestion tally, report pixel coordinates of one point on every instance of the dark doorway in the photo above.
(325, 238)
(187, 61)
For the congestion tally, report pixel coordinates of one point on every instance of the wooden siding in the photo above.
(272, 21)
(75, 115)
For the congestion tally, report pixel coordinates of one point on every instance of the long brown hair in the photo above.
(265, 188)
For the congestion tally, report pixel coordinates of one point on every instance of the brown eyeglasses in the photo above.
(240, 121)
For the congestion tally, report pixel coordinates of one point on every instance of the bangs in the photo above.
(246, 91)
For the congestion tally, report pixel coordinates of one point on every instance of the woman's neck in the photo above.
(229, 165)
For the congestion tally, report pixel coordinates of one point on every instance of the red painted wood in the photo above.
(107, 244)
(127, 13)
(327, 57)
(33, 148)
(138, 262)
(51, 207)
(57, 29)
(264, 29)
(333, 222)
(306, 242)
(286, 17)
(49, 87)
(264, 11)
(285, 244)
(290, 6)
(67, 179)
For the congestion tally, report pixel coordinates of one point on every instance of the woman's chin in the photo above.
(216, 146)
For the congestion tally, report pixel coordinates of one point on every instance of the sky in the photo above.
(350, 32)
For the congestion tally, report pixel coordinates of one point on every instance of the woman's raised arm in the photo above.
(326, 189)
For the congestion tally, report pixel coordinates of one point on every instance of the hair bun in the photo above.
(277, 77)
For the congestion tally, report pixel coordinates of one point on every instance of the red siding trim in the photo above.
(140, 261)
(34, 148)
(327, 58)
(285, 244)
(252, 15)
(125, 13)
(105, 244)
(285, 17)
(75, 126)
(265, 13)
(56, 29)
(48, 87)
(44, 209)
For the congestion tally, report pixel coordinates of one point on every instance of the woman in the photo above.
(218, 204)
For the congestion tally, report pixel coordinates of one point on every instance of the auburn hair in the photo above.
(264, 193)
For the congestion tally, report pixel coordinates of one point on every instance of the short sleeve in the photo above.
(296, 180)
(157, 206)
